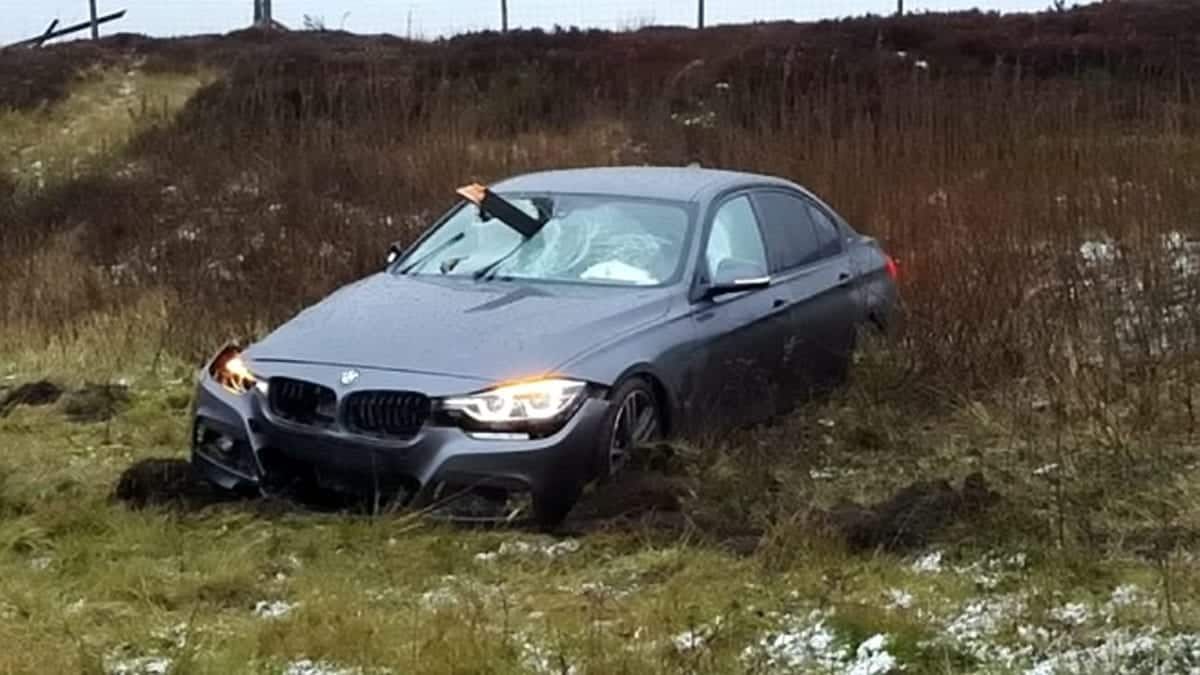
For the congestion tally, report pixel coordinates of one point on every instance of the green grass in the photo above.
(84, 580)
(92, 125)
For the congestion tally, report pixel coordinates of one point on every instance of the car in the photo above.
(540, 332)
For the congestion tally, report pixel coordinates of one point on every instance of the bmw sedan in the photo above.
(542, 330)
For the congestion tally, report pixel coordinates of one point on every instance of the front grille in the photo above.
(302, 402)
(387, 413)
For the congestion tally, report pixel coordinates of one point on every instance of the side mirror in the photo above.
(394, 252)
(737, 276)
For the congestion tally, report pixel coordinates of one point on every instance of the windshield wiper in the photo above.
(436, 250)
(486, 272)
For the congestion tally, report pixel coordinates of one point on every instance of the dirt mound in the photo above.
(164, 482)
(909, 518)
(95, 403)
(42, 392)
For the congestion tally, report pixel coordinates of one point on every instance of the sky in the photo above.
(20, 19)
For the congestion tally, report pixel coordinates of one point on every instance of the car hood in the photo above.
(489, 331)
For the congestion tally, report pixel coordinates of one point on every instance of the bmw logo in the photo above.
(349, 376)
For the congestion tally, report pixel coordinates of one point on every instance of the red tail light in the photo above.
(893, 269)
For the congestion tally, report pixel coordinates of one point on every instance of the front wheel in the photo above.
(634, 420)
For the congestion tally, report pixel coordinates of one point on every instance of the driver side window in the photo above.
(735, 236)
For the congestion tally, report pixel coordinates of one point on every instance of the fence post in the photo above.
(262, 14)
(700, 14)
(95, 23)
(503, 16)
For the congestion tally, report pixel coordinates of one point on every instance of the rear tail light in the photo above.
(892, 267)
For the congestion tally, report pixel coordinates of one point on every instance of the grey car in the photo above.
(539, 332)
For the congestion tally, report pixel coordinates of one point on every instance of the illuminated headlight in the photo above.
(229, 370)
(516, 405)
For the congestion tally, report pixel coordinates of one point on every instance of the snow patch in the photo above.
(899, 599)
(1071, 614)
(871, 657)
(310, 667)
(802, 643)
(454, 591)
(141, 665)
(521, 548)
(1127, 595)
(930, 563)
(1123, 651)
(696, 638)
(974, 629)
(807, 644)
(543, 661)
(273, 609)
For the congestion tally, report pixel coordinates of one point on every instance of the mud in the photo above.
(42, 392)
(165, 482)
(911, 517)
(95, 403)
(652, 502)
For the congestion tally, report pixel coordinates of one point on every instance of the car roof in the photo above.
(687, 184)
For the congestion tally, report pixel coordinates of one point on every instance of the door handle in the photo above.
(779, 302)
(843, 278)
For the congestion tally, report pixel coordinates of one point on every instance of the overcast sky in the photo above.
(432, 18)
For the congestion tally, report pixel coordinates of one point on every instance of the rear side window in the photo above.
(828, 235)
(735, 236)
(791, 238)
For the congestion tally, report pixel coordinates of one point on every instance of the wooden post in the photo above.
(503, 16)
(46, 35)
(700, 14)
(95, 23)
(52, 32)
(262, 14)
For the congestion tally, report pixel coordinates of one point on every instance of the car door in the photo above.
(813, 273)
(738, 349)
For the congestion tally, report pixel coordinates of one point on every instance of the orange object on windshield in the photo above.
(474, 193)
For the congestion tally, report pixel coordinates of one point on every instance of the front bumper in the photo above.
(259, 449)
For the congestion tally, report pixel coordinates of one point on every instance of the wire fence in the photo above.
(430, 19)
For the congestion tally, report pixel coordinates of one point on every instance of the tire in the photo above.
(551, 507)
(634, 397)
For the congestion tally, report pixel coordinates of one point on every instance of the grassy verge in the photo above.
(89, 584)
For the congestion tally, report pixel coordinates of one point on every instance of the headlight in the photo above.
(229, 369)
(527, 402)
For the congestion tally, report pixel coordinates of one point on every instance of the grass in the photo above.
(80, 134)
(178, 207)
(86, 583)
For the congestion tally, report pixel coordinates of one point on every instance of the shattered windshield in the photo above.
(585, 239)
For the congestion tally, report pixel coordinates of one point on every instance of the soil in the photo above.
(650, 501)
(40, 393)
(95, 403)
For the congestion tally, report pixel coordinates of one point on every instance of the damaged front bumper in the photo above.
(239, 444)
